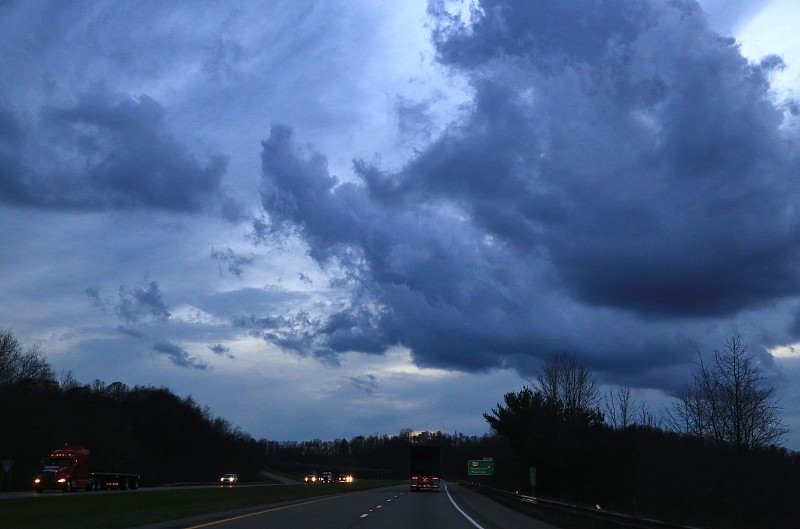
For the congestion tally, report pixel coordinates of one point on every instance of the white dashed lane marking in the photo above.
(380, 506)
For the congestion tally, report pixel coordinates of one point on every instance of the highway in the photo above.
(385, 508)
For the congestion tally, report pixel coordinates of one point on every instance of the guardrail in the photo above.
(571, 515)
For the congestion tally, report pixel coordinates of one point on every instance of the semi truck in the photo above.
(67, 469)
(425, 467)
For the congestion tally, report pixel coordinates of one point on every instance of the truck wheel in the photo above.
(68, 486)
(135, 484)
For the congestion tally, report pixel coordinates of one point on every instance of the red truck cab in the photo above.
(67, 469)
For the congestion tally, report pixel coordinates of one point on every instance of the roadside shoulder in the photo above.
(490, 514)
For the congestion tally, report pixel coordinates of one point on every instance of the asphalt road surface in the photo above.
(385, 508)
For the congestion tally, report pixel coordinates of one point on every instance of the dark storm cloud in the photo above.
(106, 151)
(178, 356)
(621, 166)
(637, 149)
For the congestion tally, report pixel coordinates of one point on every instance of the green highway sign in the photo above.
(532, 476)
(480, 467)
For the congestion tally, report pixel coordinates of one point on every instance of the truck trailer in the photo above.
(425, 467)
(67, 469)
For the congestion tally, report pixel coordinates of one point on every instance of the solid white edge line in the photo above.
(465, 515)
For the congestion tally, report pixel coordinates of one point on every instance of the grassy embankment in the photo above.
(85, 510)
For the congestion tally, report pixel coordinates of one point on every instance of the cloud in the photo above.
(106, 151)
(137, 302)
(93, 293)
(726, 15)
(232, 261)
(11, 140)
(129, 331)
(249, 301)
(621, 168)
(221, 350)
(414, 118)
(366, 383)
(652, 182)
(299, 332)
(178, 356)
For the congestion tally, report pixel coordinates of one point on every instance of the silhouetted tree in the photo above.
(18, 364)
(729, 401)
(622, 410)
(554, 427)
(567, 385)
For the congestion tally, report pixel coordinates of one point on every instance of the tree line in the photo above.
(712, 459)
(147, 430)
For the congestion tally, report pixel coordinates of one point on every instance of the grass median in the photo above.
(130, 509)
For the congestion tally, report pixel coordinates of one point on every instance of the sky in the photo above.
(325, 219)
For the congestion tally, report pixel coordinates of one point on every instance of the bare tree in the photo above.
(67, 380)
(729, 401)
(618, 405)
(647, 418)
(18, 364)
(687, 414)
(623, 410)
(567, 384)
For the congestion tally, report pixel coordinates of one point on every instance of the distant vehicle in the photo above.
(311, 478)
(425, 468)
(229, 479)
(67, 469)
(345, 478)
(327, 477)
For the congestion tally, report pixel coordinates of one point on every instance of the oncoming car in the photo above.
(229, 479)
(311, 478)
(345, 478)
